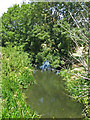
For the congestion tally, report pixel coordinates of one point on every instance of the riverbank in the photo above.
(16, 74)
(77, 87)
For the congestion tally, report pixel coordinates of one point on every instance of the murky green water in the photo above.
(48, 97)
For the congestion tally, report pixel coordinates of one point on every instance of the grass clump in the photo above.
(16, 74)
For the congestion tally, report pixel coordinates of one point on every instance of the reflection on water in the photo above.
(48, 97)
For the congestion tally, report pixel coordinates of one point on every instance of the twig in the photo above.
(82, 76)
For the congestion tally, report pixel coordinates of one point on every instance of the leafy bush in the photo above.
(16, 74)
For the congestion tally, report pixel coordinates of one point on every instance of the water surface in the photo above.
(48, 97)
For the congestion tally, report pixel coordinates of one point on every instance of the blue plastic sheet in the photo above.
(45, 65)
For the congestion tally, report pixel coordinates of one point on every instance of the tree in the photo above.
(80, 36)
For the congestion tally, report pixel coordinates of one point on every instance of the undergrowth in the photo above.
(78, 88)
(16, 74)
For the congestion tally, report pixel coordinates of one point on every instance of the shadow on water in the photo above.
(48, 97)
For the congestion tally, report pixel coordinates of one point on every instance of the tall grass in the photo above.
(78, 88)
(16, 74)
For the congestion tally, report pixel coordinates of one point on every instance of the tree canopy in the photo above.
(46, 30)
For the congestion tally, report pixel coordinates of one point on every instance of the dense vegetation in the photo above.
(41, 37)
(44, 31)
(16, 74)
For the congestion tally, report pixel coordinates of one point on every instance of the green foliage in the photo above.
(77, 87)
(32, 25)
(38, 29)
(16, 75)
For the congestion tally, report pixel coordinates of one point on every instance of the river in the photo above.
(49, 98)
